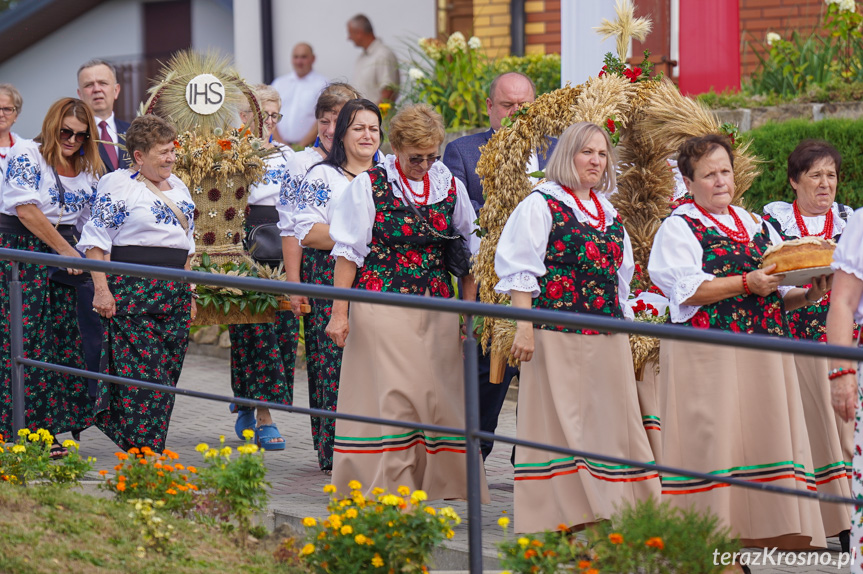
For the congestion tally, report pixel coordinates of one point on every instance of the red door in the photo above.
(709, 45)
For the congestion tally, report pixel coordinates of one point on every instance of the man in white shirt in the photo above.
(376, 74)
(98, 87)
(299, 91)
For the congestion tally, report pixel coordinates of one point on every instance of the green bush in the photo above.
(544, 70)
(773, 143)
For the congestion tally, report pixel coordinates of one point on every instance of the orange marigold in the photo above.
(192, 486)
(537, 543)
(134, 450)
(121, 455)
(121, 478)
(147, 450)
(591, 571)
(529, 553)
(562, 526)
(655, 542)
(615, 538)
(224, 144)
(142, 460)
(103, 472)
(583, 564)
(171, 491)
(118, 467)
(549, 553)
(192, 469)
(121, 486)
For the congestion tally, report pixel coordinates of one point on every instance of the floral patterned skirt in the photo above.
(857, 479)
(54, 401)
(263, 357)
(145, 340)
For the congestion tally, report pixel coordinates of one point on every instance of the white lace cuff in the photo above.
(348, 252)
(518, 282)
(302, 229)
(682, 291)
(784, 289)
(839, 266)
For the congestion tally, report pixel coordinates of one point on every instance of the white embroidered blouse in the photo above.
(290, 198)
(127, 213)
(6, 151)
(848, 256)
(675, 264)
(353, 214)
(783, 213)
(318, 190)
(267, 191)
(521, 250)
(30, 180)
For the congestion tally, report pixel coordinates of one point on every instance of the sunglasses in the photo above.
(77, 137)
(418, 160)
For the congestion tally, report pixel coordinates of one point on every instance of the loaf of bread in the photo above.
(802, 253)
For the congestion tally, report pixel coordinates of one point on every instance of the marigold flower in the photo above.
(248, 434)
(355, 485)
(615, 538)
(121, 486)
(160, 473)
(377, 561)
(450, 533)
(103, 472)
(202, 447)
(430, 510)
(19, 448)
(23, 432)
(562, 526)
(655, 542)
(308, 522)
(503, 522)
(142, 461)
(178, 466)
(592, 571)
(359, 538)
(523, 542)
(403, 490)
(221, 439)
(329, 488)
(33, 437)
(167, 468)
(529, 553)
(335, 520)
(69, 443)
(147, 450)
(359, 499)
(537, 543)
(192, 486)
(171, 491)
(121, 455)
(346, 529)
(377, 491)
(549, 553)
(308, 549)
(583, 564)
(418, 496)
(134, 450)
(351, 513)
(226, 451)
(121, 478)
(192, 469)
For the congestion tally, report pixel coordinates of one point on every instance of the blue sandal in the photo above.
(245, 419)
(266, 437)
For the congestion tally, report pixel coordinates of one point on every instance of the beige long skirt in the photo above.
(578, 391)
(648, 402)
(738, 413)
(406, 365)
(831, 440)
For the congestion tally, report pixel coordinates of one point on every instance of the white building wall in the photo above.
(213, 27)
(46, 71)
(582, 49)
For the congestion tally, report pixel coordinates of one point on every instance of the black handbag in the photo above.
(264, 244)
(456, 254)
(59, 274)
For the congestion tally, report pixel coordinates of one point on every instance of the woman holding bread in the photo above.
(731, 411)
(813, 171)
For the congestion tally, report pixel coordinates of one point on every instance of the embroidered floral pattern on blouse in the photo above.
(23, 172)
(108, 214)
(581, 267)
(724, 257)
(165, 216)
(404, 256)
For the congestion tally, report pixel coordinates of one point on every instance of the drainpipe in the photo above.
(267, 41)
(516, 27)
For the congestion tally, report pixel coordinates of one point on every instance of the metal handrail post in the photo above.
(16, 334)
(471, 418)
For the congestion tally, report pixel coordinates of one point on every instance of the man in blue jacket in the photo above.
(507, 93)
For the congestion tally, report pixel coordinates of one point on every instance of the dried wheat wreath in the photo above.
(654, 119)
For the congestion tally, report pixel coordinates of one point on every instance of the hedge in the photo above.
(774, 142)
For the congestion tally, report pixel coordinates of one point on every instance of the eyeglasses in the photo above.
(418, 160)
(8, 111)
(77, 137)
(276, 117)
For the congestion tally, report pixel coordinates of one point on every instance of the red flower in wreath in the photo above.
(554, 290)
(609, 124)
(241, 191)
(224, 144)
(701, 320)
(209, 238)
(230, 214)
(214, 194)
(197, 214)
(236, 239)
(438, 221)
(591, 250)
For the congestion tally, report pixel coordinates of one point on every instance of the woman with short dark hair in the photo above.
(46, 195)
(731, 411)
(144, 215)
(813, 173)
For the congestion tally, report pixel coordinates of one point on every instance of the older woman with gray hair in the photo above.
(10, 106)
(565, 248)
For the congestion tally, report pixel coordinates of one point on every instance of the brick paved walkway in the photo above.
(294, 474)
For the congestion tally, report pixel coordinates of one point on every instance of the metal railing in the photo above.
(471, 431)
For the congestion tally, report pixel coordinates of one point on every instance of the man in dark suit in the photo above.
(98, 87)
(507, 92)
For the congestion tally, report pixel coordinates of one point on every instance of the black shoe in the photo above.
(845, 540)
(746, 569)
(76, 435)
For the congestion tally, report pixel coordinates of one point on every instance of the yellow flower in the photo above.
(450, 533)
(329, 488)
(248, 434)
(23, 432)
(308, 549)
(523, 542)
(335, 520)
(431, 510)
(226, 451)
(359, 538)
(355, 485)
(451, 514)
(418, 496)
(32, 437)
(377, 491)
(211, 453)
(359, 499)
(351, 513)
(19, 448)
(403, 490)
(221, 439)
(309, 521)
(202, 447)
(391, 500)
(503, 522)
(346, 529)
(345, 502)
(69, 443)
(377, 561)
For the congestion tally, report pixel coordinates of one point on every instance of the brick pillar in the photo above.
(542, 28)
(491, 24)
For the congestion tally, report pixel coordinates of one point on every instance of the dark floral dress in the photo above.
(146, 340)
(808, 322)
(724, 257)
(581, 267)
(405, 256)
(263, 357)
(53, 401)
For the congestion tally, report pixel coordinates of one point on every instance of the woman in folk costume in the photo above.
(565, 248)
(402, 364)
(813, 172)
(731, 411)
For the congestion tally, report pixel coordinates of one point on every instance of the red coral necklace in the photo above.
(11, 143)
(600, 212)
(739, 235)
(826, 233)
(421, 198)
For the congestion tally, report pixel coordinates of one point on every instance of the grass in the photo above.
(44, 529)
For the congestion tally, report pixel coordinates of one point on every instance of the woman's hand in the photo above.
(820, 287)
(103, 302)
(297, 301)
(522, 346)
(194, 312)
(843, 395)
(337, 329)
(762, 283)
(70, 251)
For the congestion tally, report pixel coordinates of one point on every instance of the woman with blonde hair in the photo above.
(45, 198)
(565, 248)
(10, 107)
(263, 354)
(389, 228)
